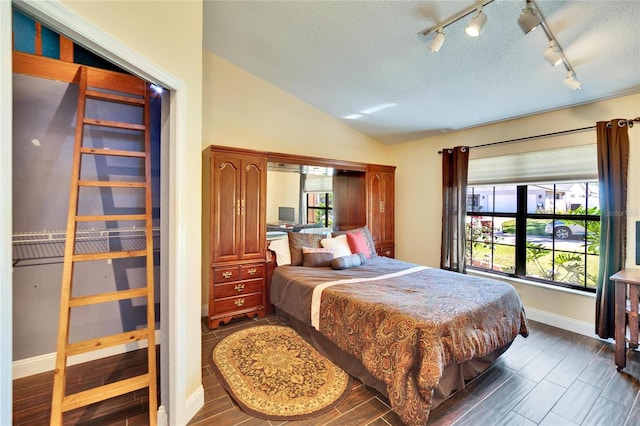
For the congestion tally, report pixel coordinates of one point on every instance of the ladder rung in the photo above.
(111, 296)
(94, 94)
(108, 255)
(114, 152)
(85, 346)
(101, 393)
(111, 217)
(116, 124)
(112, 184)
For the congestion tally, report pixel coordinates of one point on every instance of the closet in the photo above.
(236, 267)
(115, 246)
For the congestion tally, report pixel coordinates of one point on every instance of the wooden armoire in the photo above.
(380, 209)
(235, 263)
(235, 193)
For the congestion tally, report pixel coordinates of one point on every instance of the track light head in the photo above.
(438, 41)
(571, 82)
(529, 19)
(476, 23)
(553, 54)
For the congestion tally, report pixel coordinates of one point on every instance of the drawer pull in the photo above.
(239, 287)
(239, 302)
(227, 274)
(387, 253)
(252, 271)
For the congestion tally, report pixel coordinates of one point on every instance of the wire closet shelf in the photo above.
(45, 246)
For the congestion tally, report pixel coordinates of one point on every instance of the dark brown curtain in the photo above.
(613, 160)
(455, 164)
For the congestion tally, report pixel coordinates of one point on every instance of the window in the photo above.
(546, 232)
(320, 208)
(318, 190)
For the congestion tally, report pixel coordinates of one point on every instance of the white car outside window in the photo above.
(564, 230)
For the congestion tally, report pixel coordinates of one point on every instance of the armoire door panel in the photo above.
(381, 205)
(375, 206)
(253, 209)
(226, 207)
(387, 226)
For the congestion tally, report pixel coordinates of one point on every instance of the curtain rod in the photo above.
(621, 123)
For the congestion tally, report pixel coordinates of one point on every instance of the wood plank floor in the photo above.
(553, 377)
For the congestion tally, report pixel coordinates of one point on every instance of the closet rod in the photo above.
(621, 123)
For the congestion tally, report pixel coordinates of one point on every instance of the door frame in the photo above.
(54, 15)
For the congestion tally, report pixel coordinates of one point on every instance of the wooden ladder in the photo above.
(100, 85)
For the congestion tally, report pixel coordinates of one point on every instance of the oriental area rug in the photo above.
(273, 373)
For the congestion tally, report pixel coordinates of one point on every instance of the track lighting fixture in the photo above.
(529, 19)
(553, 54)
(571, 82)
(473, 29)
(476, 23)
(437, 41)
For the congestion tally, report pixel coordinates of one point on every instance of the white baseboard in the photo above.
(565, 323)
(194, 403)
(47, 362)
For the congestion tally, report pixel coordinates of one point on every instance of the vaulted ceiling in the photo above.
(367, 58)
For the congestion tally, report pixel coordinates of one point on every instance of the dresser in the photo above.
(234, 197)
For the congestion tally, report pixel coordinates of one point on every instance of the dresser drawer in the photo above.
(237, 288)
(239, 303)
(386, 251)
(252, 271)
(226, 274)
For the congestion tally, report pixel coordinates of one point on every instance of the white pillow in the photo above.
(281, 249)
(339, 245)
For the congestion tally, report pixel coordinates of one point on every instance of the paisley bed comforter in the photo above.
(403, 322)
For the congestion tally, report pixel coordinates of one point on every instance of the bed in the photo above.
(413, 333)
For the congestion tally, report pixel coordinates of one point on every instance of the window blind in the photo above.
(550, 165)
(317, 183)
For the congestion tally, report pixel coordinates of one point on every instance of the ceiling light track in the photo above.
(530, 19)
(554, 53)
(478, 7)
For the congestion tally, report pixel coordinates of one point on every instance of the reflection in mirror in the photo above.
(299, 197)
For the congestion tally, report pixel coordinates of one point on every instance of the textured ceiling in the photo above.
(346, 57)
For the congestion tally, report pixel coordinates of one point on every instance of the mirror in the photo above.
(291, 189)
(344, 180)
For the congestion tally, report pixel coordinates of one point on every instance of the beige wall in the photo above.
(168, 34)
(283, 190)
(418, 193)
(243, 111)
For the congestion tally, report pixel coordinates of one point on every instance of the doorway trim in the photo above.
(6, 293)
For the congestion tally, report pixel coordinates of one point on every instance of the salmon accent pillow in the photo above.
(358, 243)
(368, 238)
